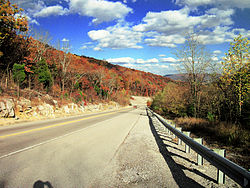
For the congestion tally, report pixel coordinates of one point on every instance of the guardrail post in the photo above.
(179, 140)
(199, 157)
(220, 174)
(187, 148)
(170, 123)
(174, 125)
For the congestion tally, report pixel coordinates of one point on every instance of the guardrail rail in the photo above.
(232, 170)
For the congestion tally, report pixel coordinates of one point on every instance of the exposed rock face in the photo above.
(7, 108)
(2, 109)
(46, 110)
(66, 109)
(24, 108)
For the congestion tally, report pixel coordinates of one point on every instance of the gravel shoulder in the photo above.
(149, 157)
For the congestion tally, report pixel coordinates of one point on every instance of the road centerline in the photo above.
(58, 124)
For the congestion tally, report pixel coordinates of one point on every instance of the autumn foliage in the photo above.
(63, 74)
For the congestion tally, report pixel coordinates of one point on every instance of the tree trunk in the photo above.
(18, 90)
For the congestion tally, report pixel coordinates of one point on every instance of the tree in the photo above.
(236, 73)
(171, 101)
(44, 75)
(64, 59)
(19, 75)
(12, 46)
(9, 20)
(195, 61)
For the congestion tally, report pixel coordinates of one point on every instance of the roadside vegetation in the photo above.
(213, 105)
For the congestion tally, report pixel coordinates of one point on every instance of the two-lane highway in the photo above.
(69, 152)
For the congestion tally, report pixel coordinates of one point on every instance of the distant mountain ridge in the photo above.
(176, 77)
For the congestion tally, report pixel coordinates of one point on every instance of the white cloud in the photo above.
(219, 3)
(147, 65)
(129, 60)
(161, 55)
(142, 61)
(65, 40)
(121, 60)
(169, 60)
(166, 41)
(51, 10)
(97, 48)
(164, 66)
(168, 28)
(98, 34)
(117, 37)
(169, 22)
(215, 58)
(84, 47)
(101, 10)
(216, 51)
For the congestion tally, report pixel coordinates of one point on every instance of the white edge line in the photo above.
(45, 142)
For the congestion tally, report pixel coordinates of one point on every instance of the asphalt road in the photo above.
(67, 152)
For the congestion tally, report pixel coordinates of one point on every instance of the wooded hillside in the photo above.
(31, 63)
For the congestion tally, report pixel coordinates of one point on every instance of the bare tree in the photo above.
(64, 59)
(194, 63)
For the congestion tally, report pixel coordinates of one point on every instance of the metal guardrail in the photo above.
(232, 170)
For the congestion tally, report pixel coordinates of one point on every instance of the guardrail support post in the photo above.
(220, 174)
(187, 148)
(179, 140)
(174, 127)
(199, 157)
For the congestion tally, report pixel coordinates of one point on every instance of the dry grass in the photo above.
(191, 123)
(220, 134)
(228, 133)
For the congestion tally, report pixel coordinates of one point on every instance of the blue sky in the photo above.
(139, 34)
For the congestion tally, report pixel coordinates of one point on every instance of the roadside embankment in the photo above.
(20, 110)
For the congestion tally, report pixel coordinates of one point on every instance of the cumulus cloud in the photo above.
(219, 3)
(161, 55)
(148, 65)
(65, 40)
(100, 10)
(164, 66)
(97, 48)
(179, 21)
(165, 40)
(168, 28)
(116, 37)
(168, 22)
(121, 60)
(216, 51)
(84, 47)
(169, 60)
(142, 61)
(129, 60)
(51, 10)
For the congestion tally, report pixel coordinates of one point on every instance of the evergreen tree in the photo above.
(44, 75)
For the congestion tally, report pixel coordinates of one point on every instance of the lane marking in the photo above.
(58, 124)
(47, 141)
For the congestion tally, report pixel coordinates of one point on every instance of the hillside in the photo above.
(80, 78)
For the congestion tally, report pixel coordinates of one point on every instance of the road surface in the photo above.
(67, 152)
(123, 148)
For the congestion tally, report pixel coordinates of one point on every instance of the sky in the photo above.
(139, 34)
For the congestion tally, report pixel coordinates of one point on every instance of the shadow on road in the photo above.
(41, 184)
(177, 170)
